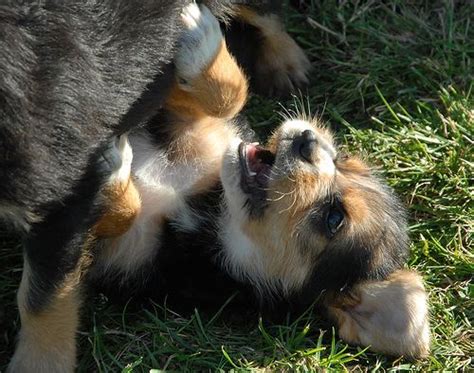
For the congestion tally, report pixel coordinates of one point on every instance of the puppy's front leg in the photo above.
(209, 81)
(390, 316)
(277, 65)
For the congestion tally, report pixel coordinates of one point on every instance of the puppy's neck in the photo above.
(241, 256)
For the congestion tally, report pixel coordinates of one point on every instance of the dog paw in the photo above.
(116, 159)
(282, 70)
(124, 150)
(282, 67)
(199, 43)
(390, 316)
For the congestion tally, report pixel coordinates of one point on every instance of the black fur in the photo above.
(247, 52)
(244, 42)
(348, 261)
(71, 73)
(72, 76)
(186, 267)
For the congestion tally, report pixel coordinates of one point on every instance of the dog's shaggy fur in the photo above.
(294, 220)
(73, 75)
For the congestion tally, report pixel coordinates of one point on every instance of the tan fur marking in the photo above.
(280, 53)
(307, 190)
(209, 181)
(47, 340)
(353, 165)
(276, 233)
(123, 205)
(275, 237)
(200, 129)
(204, 140)
(391, 316)
(355, 206)
(220, 91)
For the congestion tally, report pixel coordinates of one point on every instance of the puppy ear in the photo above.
(390, 316)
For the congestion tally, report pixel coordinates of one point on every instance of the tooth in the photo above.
(249, 170)
(255, 143)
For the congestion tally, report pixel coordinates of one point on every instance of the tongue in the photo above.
(257, 164)
(254, 160)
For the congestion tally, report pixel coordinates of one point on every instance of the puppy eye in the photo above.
(334, 220)
(182, 81)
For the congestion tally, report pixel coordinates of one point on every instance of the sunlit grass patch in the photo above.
(395, 81)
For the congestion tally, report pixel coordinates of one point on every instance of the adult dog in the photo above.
(72, 76)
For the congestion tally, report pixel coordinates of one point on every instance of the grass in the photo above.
(395, 81)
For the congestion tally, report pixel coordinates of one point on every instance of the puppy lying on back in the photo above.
(294, 219)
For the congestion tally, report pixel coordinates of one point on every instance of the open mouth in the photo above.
(256, 164)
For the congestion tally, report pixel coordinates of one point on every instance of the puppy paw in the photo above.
(123, 150)
(120, 197)
(199, 43)
(282, 67)
(116, 159)
(389, 316)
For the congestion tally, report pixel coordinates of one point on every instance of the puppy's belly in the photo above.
(163, 186)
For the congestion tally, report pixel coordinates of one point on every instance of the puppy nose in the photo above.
(305, 144)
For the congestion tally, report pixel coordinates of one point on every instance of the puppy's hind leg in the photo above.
(209, 81)
(390, 316)
(121, 198)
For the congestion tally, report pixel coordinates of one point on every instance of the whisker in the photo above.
(282, 195)
(289, 207)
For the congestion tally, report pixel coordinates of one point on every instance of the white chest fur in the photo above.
(163, 185)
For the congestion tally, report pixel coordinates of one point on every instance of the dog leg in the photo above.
(280, 66)
(46, 342)
(121, 198)
(390, 316)
(209, 81)
(57, 255)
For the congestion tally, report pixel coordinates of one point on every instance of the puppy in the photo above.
(295, 219)
(72, 77)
